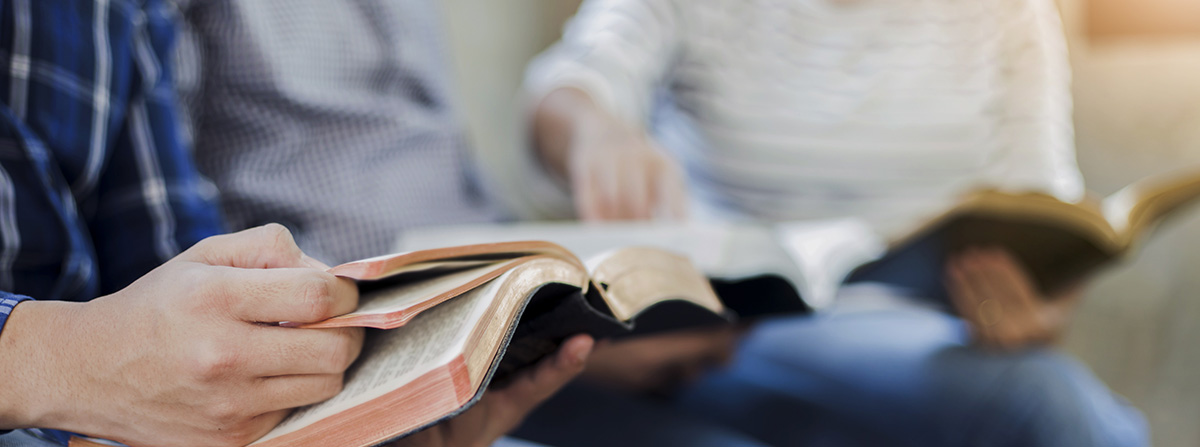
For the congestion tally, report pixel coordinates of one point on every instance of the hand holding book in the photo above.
(458, 326)
(500, 411)
(996, 295)
(1058, 244)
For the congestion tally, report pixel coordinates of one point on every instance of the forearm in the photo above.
(614, 170)
(32, 349)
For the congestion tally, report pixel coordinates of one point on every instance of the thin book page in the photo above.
(404, 296)
(704, 244)
(396, 357)
(1118, 207)
(1148, 201)
(421, 260)
(826, 251)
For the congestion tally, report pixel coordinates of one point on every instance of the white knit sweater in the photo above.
(796, 109)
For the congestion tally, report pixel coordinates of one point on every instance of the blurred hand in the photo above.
(994, 293)
(615, 171)
(618, 173)
(190, 354)
(500, 411)
(661, 363)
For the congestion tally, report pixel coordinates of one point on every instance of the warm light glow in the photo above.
(1108, 18)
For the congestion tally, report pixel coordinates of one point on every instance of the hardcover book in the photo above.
(449, 322)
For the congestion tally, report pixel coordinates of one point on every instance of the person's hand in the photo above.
(660, 363)
(615, 170)
(192, 354)
(500, 411)
(994, 293)
(618, 173)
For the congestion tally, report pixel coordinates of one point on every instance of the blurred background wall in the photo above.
(1137, 113)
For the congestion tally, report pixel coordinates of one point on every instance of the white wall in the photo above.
(492, 42)
(1138, 112)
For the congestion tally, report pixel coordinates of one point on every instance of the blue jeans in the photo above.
(909, 375)
(895, 377)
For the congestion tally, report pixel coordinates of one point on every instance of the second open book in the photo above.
(1059, 243)
(452, 320)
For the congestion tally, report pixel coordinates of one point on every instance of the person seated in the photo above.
(728, 110)
(290, 127)
(125, 314)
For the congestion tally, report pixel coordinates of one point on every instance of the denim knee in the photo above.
(1044, 398)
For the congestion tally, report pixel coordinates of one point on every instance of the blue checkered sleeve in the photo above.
(7, 302)
(96, 185)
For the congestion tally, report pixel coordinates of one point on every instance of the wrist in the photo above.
(33, 345)
(567, 124)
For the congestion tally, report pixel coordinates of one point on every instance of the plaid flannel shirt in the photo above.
(96, 184)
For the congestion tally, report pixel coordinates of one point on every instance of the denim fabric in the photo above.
(894, 377)
(909, 376)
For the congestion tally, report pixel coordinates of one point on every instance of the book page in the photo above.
(723, 251)
(393, 358)
(433, 267)
(704, 244)
(1118, 207)
(640, 277)
(826, 251)
(403, 296)
(437, 258)
(1139, 206)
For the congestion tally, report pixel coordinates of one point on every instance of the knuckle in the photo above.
(205, 245)
(276, 230)
(207, 288)
(318, 299)
(212, 363)
(226, 414)
(281, 238)
(204, 281)
(237, 435)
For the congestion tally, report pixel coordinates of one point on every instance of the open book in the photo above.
(453, 320)
(809, 258)
(1059, 243)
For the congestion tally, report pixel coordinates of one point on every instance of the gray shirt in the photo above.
(332, 117)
